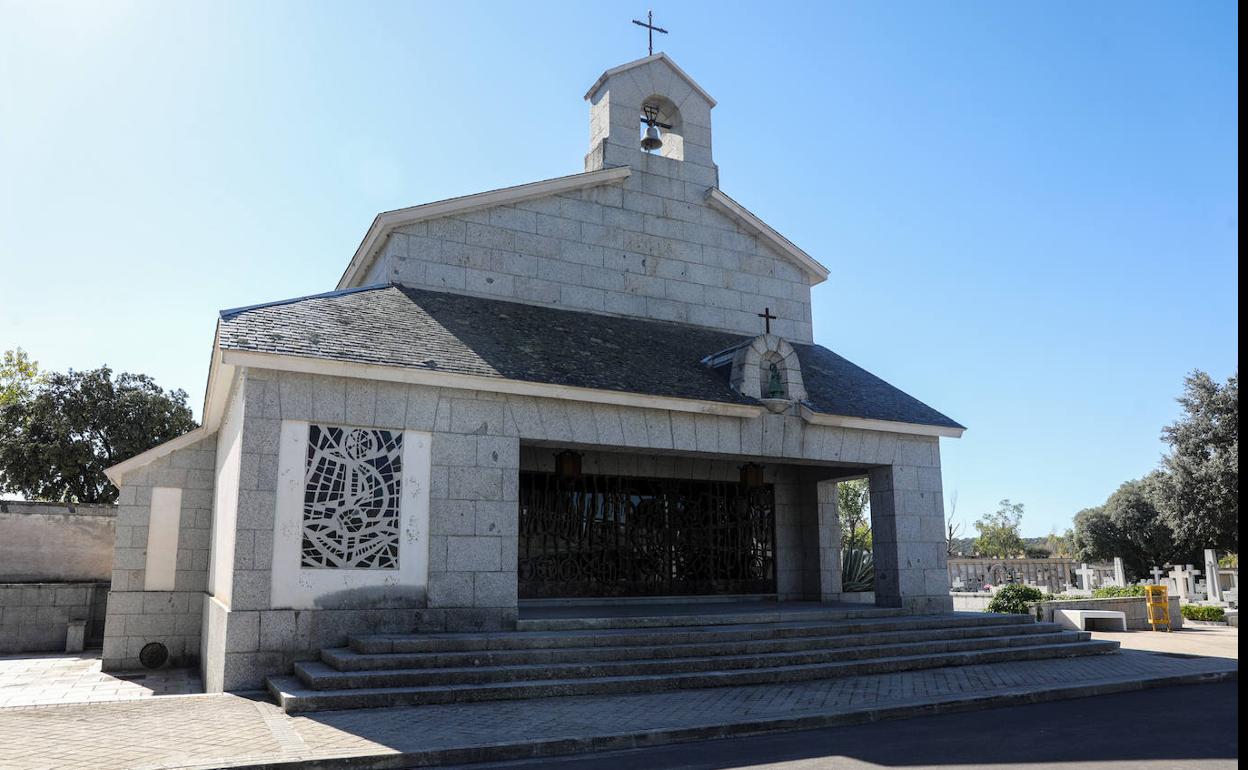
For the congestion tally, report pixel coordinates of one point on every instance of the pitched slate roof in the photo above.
(402, 326)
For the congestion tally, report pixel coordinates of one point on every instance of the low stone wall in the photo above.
(970, 601)
(55, 542)
(34, 617)
(1133, 606)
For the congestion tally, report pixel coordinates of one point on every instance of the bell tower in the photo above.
(650, 115)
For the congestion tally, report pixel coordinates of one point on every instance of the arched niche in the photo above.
(666, 112)
(752, 373)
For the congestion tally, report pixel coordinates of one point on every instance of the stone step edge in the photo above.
(286, 696)
(563, 746)
(310, 670)
(664, 621)
(335, 656)
(917, 622)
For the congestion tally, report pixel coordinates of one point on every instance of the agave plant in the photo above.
(857, 570)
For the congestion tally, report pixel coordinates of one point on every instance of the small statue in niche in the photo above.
(775, 389)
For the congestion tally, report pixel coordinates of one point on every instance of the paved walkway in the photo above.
(1214, 641)
(233, 731)
(1101, 733)
(37, 680)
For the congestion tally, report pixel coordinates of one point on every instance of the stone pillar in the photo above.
(1120, 572)
(829, 541)
(1214, 589)
(908, 536)
(474, 517)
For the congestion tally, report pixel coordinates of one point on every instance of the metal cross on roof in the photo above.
(767, 318)
(649, 25)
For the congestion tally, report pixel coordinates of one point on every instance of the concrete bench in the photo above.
(1078, 619)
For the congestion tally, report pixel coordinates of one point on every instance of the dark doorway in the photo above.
(618, 536)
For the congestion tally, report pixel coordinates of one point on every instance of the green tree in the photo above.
(1061, 546)
(1129, 525)
(853, 501)
(18, 376)
(999, 532)
(57, 439)
(1200, 492)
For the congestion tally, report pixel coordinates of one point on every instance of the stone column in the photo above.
(829, 541)
(908, 536)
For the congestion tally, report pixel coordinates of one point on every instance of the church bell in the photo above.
(651, 141)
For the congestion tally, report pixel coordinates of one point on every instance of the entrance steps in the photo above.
(602, 656)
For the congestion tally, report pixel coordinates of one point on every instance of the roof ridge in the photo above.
(235, 311)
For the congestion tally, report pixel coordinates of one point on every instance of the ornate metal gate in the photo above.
(615, 536)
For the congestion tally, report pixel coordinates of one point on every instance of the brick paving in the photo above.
(230, 730)
(37, 680)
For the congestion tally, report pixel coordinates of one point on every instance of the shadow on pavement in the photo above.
(1174, 725)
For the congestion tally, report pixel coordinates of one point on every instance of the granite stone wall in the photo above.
(56, 542)
(135, 616)
(908, 536)
(473, 527)
(34, 617)
(649, 246)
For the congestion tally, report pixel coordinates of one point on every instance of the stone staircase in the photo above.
(603, 656)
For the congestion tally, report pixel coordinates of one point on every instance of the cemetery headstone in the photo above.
(1211, 575)
(1120, 572)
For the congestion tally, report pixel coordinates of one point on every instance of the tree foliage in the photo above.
(1200, 496)
(58, 436)
(999, 532)
(18, 376)
(853, 504)
(1061, 546)
(1130, 525)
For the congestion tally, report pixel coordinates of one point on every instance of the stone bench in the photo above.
(1078, 619)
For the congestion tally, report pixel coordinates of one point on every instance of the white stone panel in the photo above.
(296, 587)
(162, 539)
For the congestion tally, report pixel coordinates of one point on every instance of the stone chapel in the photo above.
(600, 386)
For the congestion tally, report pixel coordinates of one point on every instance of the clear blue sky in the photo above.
(1029, 209)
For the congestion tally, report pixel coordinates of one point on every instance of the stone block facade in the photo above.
(56, 542)
(268, 564)
(35, 617)
(173, 618)
(649, 246)
(480, 442)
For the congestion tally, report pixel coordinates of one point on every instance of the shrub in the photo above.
(1114, 592)
(1015, 599)
(857, 570)
(1203, 612)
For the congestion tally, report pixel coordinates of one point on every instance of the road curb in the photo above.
(550, 747)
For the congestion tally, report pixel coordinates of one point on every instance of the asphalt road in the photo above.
(1175, 728)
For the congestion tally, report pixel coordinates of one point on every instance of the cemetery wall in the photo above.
(34, 617)
(55, 542)
(1132, 606)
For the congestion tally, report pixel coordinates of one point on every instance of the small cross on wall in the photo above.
(767, 319)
